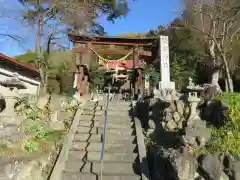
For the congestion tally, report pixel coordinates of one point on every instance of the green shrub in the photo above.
(37, 125)
(227, 138)
(31, 146)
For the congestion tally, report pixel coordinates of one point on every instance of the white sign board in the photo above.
(164, 53)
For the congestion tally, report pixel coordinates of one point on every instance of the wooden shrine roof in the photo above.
(113, 40)
(11, 64)
(18, 63)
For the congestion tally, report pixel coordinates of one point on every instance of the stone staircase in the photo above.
(121, 160)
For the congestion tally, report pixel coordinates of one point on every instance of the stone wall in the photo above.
(177, 133)
(19, 158)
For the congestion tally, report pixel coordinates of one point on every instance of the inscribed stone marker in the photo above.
(165, 71)
(165, 67)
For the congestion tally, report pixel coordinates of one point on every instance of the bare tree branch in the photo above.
(14, 37)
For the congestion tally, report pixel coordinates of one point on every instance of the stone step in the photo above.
(89, 106)
(96, 147)
(118, 112)
(110, 108)
(122, 114)
(91, 103)
(99, 113)
(97, 108)
(113, 108)
(86, 117)
(97, 122)
(110, 124)
(108, 157)
(112, 103)
(109, 167)
(121, 102)
(110, 131)
(101, 118)
(89, 176)
(98, 138)
(116, 126)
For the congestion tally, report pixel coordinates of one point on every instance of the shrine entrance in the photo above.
(125, 69)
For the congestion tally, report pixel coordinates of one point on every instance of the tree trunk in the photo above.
(225, 63)
(39, 53)
(229, 78)
(42, 89)
(45, 87)
(230, 85)
(226, 85)
(216, 70)
(215, 78)
(212, 52)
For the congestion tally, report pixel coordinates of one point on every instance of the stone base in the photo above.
(166, 85)
(166, 91)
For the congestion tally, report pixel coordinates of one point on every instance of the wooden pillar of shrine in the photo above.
(77, 55)
(78, 74)
(86, 63)
(82, 63)
(135, 63)
(86, 55)
(140, 81)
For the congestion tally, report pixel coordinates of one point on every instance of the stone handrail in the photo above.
(141, 146)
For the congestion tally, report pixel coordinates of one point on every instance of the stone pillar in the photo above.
(165, 82)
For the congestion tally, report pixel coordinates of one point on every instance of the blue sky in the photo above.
(144, 15)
